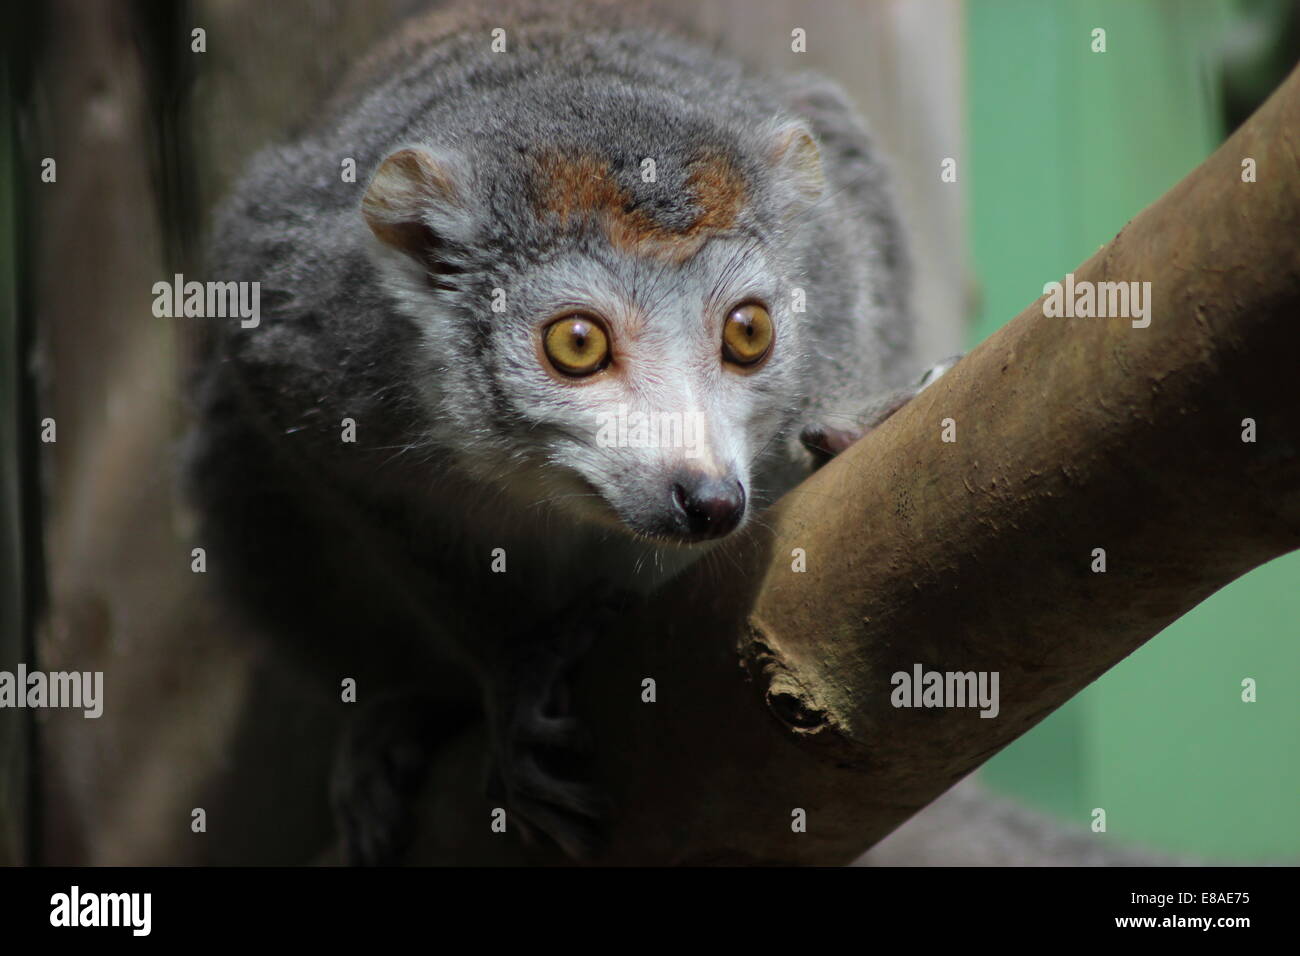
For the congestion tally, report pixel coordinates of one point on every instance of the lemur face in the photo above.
(627, 348)
(649, 391)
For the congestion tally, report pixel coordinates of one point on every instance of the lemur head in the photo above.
(608, 330)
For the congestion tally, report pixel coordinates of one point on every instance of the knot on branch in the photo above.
(787, 697)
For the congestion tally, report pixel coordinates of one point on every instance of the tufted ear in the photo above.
(417, 204)
(796, 167)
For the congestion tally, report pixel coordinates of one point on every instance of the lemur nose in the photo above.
(708, 507)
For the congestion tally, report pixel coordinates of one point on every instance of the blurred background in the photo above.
(1056, 147)
(1065, 146)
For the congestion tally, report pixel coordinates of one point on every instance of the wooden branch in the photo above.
(1072, 434)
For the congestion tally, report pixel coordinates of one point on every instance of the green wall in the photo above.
(1066, 145)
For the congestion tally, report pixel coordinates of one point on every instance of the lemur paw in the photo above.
(824, 442)
(540, 749)
(378, 774)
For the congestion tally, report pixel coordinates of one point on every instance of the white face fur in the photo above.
(662, 437)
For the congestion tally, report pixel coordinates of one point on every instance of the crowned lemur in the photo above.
(439, 448)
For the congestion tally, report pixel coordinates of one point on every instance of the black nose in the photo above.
(708, 507)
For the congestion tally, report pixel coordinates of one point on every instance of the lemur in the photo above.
(561, 213)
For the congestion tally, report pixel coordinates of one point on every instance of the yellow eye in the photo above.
(747, 336)
(576, 345)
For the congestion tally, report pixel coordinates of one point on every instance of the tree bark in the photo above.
(1072, 434)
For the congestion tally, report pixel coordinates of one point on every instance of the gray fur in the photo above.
(445, 391)
(373, 558)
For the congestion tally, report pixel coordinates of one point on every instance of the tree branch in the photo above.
(774, 686)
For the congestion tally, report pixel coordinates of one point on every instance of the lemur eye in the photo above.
(576, 345)
(747, 336)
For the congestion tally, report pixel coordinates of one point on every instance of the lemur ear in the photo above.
(416, 203)
(797, 167)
